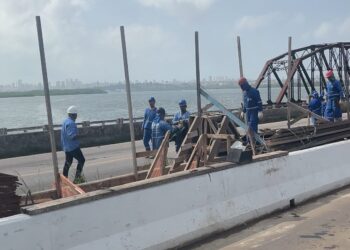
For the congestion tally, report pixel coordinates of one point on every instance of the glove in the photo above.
(260, 115)
(241, 115)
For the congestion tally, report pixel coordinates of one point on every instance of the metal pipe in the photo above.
(289, 72)
(128, 95)
(198, 76)
(48, 109)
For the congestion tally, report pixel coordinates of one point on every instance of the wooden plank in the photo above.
(212, 126)
(206, 107)
(192, 134)
(186, 142)
(215, 144)
(186, 147)
(158, 164)
(269, 155)
(68, 188)
(195, 153)
(181, 158)
(146, 153)
(220, 136)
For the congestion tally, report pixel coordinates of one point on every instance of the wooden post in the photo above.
(205, 149)
(346, 79)
(241, 72)
(128, 95)
(289, 72)
(198, 76)
(240, 56)
(48, 108)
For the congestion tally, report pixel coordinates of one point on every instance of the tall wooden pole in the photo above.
(346, 79)
(289, 72)
(198, 76)
(128, 95)
(48, 108)
(240, 56)
(241, 72)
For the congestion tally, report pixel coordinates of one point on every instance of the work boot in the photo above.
(79, 178)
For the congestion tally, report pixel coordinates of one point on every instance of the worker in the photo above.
(315, 106)
(334, 95)
(150, 114)
(252, 104)
(159, 128)
(71, 146)
(181, 123)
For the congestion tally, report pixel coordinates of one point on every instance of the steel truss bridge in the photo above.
(307, 72)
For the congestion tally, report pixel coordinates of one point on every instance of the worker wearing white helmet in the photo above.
(70, 144)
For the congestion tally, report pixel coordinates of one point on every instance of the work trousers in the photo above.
(147, 136)
(78, 155)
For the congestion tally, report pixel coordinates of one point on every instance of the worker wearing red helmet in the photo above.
(334, 95)
(252, 104)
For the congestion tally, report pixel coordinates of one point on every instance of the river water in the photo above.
(31, 111)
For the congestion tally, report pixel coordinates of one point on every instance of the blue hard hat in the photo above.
(182, 103)
(151, 99)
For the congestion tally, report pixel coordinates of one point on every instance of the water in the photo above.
(31, 111)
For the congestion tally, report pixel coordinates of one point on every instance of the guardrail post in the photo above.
(86, 124)
(3, 131)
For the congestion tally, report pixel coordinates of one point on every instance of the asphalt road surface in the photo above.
(101, 162)
(321, 224)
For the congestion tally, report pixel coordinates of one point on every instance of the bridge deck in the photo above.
(320, 224)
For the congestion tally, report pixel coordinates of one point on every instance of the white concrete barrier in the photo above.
(169, 211)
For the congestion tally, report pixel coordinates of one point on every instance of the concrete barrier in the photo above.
(35, 140)
(171, 210)
(13, 145)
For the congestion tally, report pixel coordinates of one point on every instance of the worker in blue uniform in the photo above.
(315, 106)
(150, 114)
(334, 95)
(71, 146)
(159, 128)
(181, 123)
(252, 104)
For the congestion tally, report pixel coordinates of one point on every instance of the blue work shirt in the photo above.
(149, 116)
(181, 116)
(252, 105)
(251, 98)
(69, 134)
(315, 106)
(334, 94)
(159, 129)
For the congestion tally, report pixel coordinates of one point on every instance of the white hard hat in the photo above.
(72, 110)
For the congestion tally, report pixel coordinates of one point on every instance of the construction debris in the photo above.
(306, 136)
(9, 200)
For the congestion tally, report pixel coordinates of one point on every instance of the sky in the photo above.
(82, 37)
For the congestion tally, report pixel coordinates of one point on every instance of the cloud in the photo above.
(323, 30)
(63, 32)
(17, 29)
(344, 26)
(172, 5)
(331, 30)
(256, 21)
(150, 48)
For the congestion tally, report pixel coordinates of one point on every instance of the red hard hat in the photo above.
(329, 74)
(242, 80)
